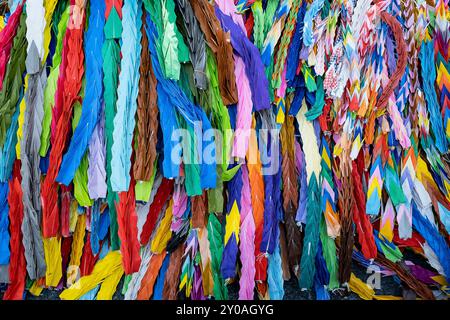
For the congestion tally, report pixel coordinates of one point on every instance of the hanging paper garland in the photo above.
(184, 145)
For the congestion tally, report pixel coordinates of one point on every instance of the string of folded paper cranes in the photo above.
(355, 95)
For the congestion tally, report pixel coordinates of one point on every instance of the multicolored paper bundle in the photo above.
(179, 146)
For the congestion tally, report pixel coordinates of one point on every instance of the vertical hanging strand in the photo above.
(394, 79)
(330, 255)
(274, 34)
(346, 204)
(285, 42)
(290, 193)
(272, 202)
(17, 265)
(147, 113)
(127, 220)
(173, 274)
(442, 52)
(12, 81)
(4, 232)
(329, 192)
(429, 79)
(56, 69)
(360, 218)
(311, 240)
(196, 42)
(127, 92)
(167, 114)
(30, 143)
(199, 207)
(231, 238)
(215, 238)
(245, 105)
(205, 255)
(257, 192)
(247, 241)
(169, 43)
(219, 42)
(72, 86)
(92, 102)
(50, 6)
(111, 65)
(251, 57)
